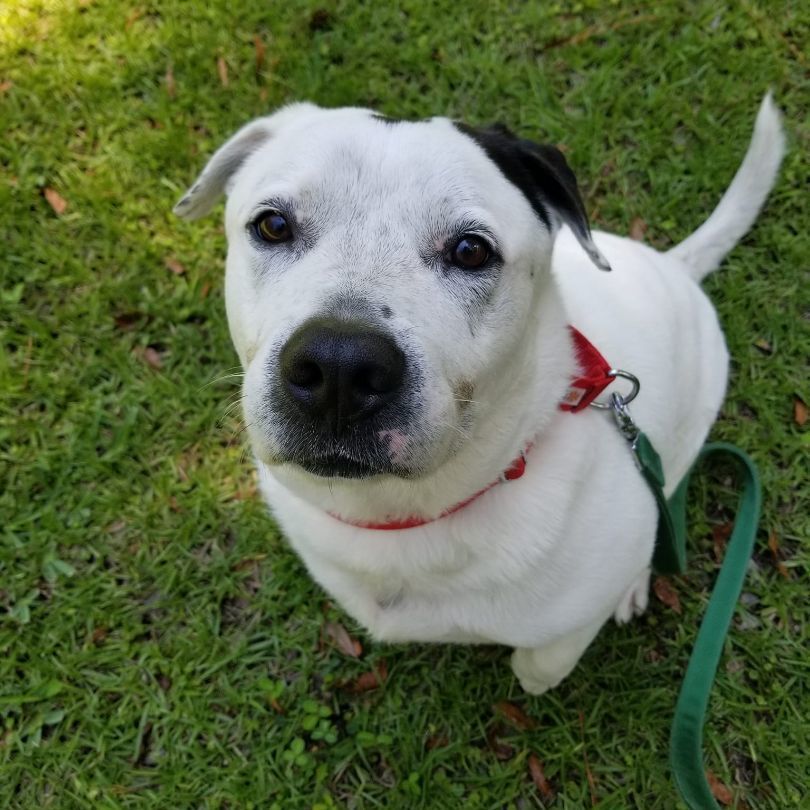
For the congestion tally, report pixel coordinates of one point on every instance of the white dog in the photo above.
(400, 295)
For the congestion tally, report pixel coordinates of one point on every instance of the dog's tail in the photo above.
(703, 251)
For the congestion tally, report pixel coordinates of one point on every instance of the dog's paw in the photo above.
(634, 601)
(532, 679)
(541, 668)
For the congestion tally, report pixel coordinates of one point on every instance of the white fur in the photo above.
(539, 563)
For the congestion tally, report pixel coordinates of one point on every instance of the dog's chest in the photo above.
(520, 566)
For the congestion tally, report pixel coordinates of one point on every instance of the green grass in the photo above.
(151, 617)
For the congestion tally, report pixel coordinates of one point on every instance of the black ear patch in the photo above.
(542, 174)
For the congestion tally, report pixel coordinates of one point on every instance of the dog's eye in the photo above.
(470, 252)
(273, 227)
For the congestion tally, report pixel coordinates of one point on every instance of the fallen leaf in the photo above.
(206, 288)
(720, 534)
(763, 346)
(151, 356)
(344, 642)
(368, 681)
(174, 266)
(588, 772)
(222, 69)
(799, 412)
(638, 227)
(134, 15)
(246, 493)
(98, 636)
(171, 87)
(6, 85)
(127, 321)
(56, 201)
(502, 750)
(595, 30)
(539, 778)
(515, 715)
(666, 593)
(248, 562)
(773, 545)
(437, 741)
(118, 526)
(720, 791)
(252, 583)
(258, 46)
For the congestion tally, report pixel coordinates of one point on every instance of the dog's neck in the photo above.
(515, 408)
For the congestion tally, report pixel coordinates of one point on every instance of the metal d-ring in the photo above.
(625, 375)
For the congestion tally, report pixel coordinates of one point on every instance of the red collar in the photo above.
(595, 376)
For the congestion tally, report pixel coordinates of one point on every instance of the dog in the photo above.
(401, 295)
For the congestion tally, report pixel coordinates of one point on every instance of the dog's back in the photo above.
(650, 317)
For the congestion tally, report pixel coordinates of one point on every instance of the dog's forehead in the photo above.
(338, 152)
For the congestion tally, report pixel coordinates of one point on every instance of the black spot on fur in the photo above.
(539, 171)
(385, 311)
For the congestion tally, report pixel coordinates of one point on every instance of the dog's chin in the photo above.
(358, 463)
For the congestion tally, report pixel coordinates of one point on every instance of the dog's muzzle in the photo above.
(337, 380)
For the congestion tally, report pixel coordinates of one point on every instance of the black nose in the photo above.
(339, 372)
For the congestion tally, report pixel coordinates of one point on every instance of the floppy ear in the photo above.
(213, 180)
(202, 196)
(542, 174)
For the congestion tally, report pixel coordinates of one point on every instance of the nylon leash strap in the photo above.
(669, 557)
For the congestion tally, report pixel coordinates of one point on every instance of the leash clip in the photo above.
(624, 421)
(617, 404)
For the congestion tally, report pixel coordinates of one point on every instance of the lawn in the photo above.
(160, 646)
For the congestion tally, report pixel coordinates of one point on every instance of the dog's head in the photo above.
(380, 278)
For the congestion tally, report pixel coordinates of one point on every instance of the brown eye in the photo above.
(273, 227)
(470, 252)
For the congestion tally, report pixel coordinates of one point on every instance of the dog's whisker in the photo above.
(228, 375)
(461, 431)
(231, 408)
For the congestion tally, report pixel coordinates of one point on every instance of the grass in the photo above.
(159, 644)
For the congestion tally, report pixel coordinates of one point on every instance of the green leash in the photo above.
(669, 557)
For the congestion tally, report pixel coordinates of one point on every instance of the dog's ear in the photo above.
(202, 196)
(542, 174)
(213, 180)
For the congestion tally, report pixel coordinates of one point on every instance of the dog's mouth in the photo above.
(339, 466)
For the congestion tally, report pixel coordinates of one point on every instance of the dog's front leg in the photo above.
(541, 668)
(634, 601)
